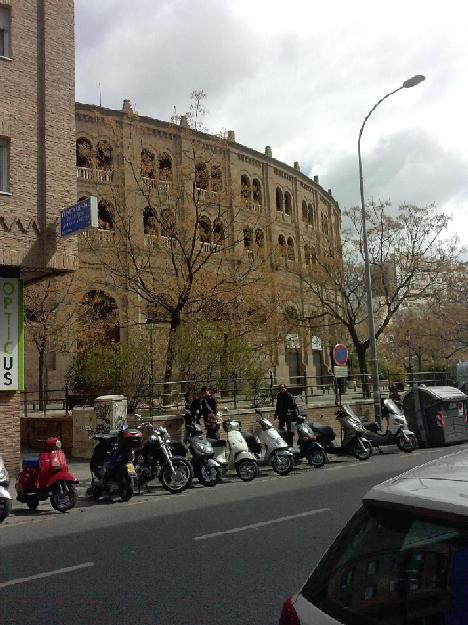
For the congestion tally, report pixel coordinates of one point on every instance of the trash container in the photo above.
(111, 412)
(442, 418)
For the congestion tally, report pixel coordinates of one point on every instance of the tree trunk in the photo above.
(365, 378)
(170, 357)
(40, 376)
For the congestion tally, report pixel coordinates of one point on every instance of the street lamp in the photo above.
(411, 82)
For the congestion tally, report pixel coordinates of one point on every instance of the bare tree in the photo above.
(406, 252)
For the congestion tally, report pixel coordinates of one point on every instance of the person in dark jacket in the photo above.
(284, 403)
(208, 410)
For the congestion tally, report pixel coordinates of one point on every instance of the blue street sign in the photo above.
(79, 217)
(340, 354)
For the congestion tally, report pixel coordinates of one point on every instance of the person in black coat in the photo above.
(208, 410)
(284, 403)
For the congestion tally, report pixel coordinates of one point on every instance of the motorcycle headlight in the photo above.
(3, 474)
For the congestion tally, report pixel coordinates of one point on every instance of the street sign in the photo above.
(340, 354)
(340, 371)
(79, 217)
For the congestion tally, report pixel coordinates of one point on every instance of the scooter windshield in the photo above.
(392, 407)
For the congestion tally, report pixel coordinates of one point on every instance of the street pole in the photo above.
(411, 82)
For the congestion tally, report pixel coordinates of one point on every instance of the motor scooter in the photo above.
(353, 435)
(5, 497)
(47, 475)
(309, 447)
(397, 432)
(234, 453)
(269, 447)
(111, 465)
(156, 459)
(205, 467)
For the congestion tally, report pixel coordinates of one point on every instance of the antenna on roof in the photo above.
(100, 95)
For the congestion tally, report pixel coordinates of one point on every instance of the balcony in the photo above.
(95, 175)
(94, 235)
(210, 248)
(205, 195)
(156, 241)
(163, 186)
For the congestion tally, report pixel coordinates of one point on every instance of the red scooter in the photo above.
(47, 476)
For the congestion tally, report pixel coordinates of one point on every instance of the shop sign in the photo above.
(11, 335)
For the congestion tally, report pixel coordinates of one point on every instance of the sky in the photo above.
(300, 76)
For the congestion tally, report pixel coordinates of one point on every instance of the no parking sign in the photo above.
(340, 354)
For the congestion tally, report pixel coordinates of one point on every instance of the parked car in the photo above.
(401, 559)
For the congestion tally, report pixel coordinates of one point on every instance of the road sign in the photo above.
(340, 354)
(79, 217)
(340, 371)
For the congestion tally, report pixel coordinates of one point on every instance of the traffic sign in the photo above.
(340, 354)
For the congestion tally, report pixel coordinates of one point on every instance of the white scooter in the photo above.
(234, 453)
(397, 432)
(269, 447)
(5, 497)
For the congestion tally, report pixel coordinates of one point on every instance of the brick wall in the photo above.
(10, 429)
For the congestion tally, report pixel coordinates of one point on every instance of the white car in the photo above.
(401, 560)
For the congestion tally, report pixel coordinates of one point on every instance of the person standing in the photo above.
(208, 409)
(285, 403)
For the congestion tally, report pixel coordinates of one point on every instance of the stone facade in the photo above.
(37, 123)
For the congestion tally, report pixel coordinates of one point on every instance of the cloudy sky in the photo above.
(300, 76)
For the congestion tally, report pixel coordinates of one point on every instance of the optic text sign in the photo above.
(11, 335)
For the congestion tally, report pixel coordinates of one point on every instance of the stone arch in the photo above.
(204, 229)
(219, 233)
(246, 191)
(290, 249)
(310, 214)
(201, 176)
(105, 219)
(287, 203)
(248, 238)
(150, 221)
(84, 152)
(101, 312)
(257, 191)
(216, 178)
(147, 160)
(279, 200)
(165, 166)
(259, 238)
(305, 213)
(104, 154)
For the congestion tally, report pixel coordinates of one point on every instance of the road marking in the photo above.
(67, 569)
(282, 519)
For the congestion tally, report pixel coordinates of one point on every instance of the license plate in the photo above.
(131, 469)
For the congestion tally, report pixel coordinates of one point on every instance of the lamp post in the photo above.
(411, 82)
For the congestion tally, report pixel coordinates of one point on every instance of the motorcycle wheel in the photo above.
(246, 470)
(5, 508)
(360, 453)
(32, 504)
(208, 475)
(317, 459)
(282, 464)
(63, 497)
(126, 488)
(408, 445)
(178, 480)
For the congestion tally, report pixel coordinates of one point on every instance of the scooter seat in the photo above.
(323, 430)
(371, 426)
(178, 448)
(30, 463)
(216, 443)
(252, 442)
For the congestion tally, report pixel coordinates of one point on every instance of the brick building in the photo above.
(37, 155)
(271, 205)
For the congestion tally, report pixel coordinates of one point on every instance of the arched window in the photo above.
(287, 203)
(105, 220)
(310, 215)
(84, 152)
(168, 222)
(201, 176)
(307, 254)
(147, 163)
(245, 187)
(216, 178)
(218, 232)
(248, 238)
(102, 311)
(259, 237)
(204, 228)
(290, 249)
(325, 224)
(257, 191)
(103, 155)
(279, 199)
(305, 214)
(150, 222)
(165, 167)
(282, 245)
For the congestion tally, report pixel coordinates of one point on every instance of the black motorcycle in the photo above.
(156, 459)
(112, 468)
(354, 439)
(206, 469)
(309, 447)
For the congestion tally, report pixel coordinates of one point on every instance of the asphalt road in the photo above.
(223, 556)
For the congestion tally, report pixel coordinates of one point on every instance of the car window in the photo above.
(394, 568)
